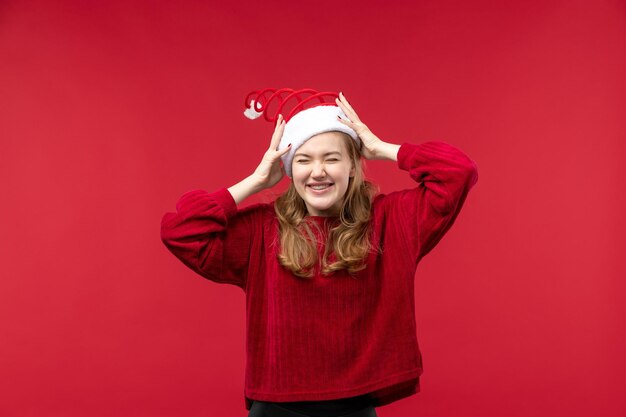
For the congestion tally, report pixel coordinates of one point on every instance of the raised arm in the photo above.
(445, 175)
(207, 232)
(209, 235)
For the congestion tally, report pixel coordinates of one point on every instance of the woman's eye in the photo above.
(303, 161)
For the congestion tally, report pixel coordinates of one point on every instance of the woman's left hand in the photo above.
(371, 143)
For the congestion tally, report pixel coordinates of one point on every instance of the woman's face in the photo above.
(322, 160)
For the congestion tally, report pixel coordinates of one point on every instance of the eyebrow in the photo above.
(326, 154)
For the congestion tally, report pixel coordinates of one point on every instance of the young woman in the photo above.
(328, 267)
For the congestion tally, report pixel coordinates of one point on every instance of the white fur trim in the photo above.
(308, 123)
(251, 113)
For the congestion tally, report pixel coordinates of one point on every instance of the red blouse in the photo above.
(333, 336)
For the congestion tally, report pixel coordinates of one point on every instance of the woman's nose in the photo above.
(318, 169)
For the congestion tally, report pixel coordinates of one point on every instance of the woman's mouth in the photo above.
(320, 189)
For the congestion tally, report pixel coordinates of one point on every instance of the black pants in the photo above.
(266, 409)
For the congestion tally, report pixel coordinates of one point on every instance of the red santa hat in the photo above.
(301, 123)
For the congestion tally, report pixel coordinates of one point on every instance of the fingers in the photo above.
(345, 101)
(343, 104)
(278, 132)
(284, 151)
(344, 121)
(277, 136)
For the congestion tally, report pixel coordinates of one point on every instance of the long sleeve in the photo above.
(209, 235)
(425, 213)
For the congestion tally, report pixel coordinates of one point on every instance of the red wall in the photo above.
(108, 113)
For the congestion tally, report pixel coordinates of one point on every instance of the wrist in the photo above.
(244, 189)
(254, 184)
(387, 151)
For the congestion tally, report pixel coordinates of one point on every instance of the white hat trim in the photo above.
(308, 123)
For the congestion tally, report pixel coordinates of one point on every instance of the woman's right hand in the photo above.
(270, 172)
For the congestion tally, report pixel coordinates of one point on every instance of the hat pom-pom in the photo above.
(251, 113)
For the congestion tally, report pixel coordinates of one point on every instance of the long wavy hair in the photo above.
(348, 241)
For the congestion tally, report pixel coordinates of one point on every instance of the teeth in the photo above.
(320, 187)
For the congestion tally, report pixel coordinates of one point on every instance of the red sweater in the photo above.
(331, 336)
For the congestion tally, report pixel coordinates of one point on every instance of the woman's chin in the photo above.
(320, 210)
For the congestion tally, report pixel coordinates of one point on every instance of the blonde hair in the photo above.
(350, 239)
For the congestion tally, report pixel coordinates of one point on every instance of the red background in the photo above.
(110, 111)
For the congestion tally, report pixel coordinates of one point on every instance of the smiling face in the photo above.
(323, 162)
